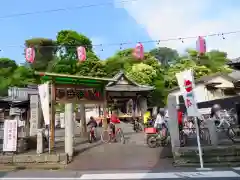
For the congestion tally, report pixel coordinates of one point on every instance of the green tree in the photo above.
(7, 68)
(165, 55)
(23, 76)
(45, 50)
(93, 66)
(142, 74)
(69, 40)
(214, 60)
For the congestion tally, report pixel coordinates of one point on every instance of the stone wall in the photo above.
(34, 158)
(219, 156)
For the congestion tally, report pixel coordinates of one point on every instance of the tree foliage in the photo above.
(45, 50)
(158, 68)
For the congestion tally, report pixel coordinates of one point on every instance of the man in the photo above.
(159, 122)
(180, 118)
(146, 117)
(114, 120)
(92, 123)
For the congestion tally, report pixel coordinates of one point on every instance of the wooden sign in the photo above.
(78, 94)
(10, 136)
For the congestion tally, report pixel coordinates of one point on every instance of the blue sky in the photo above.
(132, 21)
(103, 24)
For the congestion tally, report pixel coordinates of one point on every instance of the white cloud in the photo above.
(165, 19)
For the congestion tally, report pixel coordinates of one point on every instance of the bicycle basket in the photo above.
(150, 130)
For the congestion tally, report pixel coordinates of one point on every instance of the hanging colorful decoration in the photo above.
(139, 51)
(201, 45)
(81, 53)
(30, 54)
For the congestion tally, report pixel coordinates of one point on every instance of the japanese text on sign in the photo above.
(10, 135)
(188, 103)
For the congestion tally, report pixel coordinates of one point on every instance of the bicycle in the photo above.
(92, 135)
(224, 122)
(108, 136)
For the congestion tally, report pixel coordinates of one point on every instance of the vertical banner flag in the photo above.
(138, 51)
(44, 94)
(81, 53)
(186, 83)
(30, 54)
(201, 45)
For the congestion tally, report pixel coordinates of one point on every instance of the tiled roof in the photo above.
(133, 86)
(233, 77)
(234, 61)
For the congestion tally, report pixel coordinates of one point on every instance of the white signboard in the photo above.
(10, 135)
(34, 114)
(186, 83)
(43, 90)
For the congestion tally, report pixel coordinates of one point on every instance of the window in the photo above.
(230, 92)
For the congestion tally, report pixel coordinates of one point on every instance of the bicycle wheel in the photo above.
(163, 134)
(119, 136)
(183, 139)
(90, 138)
(105, 136)
(231, 134)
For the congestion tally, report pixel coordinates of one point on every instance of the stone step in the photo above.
(210, 165)
(213, 159)
(209, 151)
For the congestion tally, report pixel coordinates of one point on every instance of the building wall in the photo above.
(203, 94)
(21, 93)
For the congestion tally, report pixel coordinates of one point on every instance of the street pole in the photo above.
(199, 143)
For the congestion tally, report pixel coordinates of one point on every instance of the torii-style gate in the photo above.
(74, 89)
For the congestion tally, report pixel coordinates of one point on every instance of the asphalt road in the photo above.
(197, 175)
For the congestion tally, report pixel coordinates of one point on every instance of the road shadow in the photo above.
(78, 149)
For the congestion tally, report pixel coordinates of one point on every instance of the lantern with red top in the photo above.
(30, 54)
(81, 53)
(138, 52)
(201, 45)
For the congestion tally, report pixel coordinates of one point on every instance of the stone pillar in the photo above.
(34, 115)
(172, 122)
(40, 141)
(69, 129)
(143, 105)
(62, 120)
(83, 123)
(212, 129)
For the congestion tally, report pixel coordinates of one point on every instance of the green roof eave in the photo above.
(73, 79)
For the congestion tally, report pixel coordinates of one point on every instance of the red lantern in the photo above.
(81, 53)
(201, 45)
(30, 54)
(139, 51)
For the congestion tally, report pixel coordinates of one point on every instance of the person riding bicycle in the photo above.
(114, 120)
(160, 122)
(215, 110)
(180, 118)
(215, 113)
(92, 123)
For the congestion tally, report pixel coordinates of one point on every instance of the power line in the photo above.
(65, 9)
(181, 39)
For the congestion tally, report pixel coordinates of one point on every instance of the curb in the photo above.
(32, 167)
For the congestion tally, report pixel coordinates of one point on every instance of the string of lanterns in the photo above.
(138, 51)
